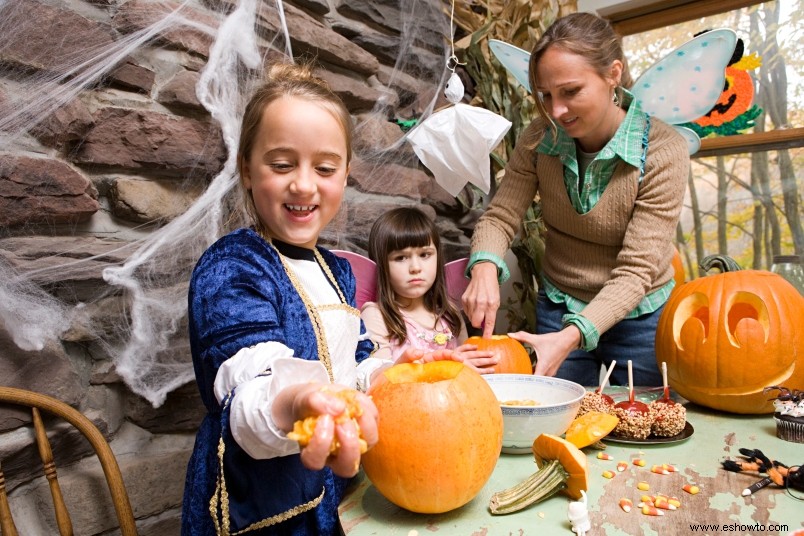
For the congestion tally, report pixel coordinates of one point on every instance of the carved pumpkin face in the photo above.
(725, 337)
(735, 99)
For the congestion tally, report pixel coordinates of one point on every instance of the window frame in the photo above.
(661, 14)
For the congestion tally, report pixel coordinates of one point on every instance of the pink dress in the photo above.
(423, 338)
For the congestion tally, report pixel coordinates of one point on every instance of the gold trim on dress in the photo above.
(222, 523)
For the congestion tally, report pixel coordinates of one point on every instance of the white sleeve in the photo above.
(246, 365)
(366, 368)
(250, 418)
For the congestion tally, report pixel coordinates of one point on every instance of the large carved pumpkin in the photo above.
(726, 337)
(512, 356)
(440, 433)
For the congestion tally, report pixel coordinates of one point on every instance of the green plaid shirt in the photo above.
(626, 145)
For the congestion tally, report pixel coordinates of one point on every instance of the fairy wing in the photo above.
(365, 271)
(456, 281)
(680, 87)
(686, 83)
(514, 59)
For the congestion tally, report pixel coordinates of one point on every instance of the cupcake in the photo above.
(789, 414)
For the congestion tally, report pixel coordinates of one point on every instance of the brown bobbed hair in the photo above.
(400, 228)
(586, 35)
(286, 80)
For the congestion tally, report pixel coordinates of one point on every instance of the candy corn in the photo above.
(668, 467)
(626, 504)
(644, 486)
(604, 456)
(640, 462)
(663, 503)
(651, 511)
(659, 470)
(674, 501)
(622, 466)
(691, 488)
(608, 474)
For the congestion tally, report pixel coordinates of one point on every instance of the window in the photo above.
(744, 198)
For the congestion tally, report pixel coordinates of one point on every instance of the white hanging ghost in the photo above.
(455, 143)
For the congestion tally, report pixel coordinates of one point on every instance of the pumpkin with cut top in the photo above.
(440, 434)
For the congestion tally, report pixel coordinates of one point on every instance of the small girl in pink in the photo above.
(413, 312)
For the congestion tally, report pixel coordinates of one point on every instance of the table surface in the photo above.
(717, 436)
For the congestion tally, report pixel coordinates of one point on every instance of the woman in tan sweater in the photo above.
(611, 182)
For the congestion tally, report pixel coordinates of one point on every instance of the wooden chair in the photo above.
(114, 479)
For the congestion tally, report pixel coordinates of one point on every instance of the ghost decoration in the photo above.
(454, 143)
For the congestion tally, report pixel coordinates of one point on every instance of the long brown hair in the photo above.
(400, 228)
(586, 35)
(286, 80)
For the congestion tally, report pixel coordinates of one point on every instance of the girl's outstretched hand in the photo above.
(414, 355)
(334, 426)
(482, 361)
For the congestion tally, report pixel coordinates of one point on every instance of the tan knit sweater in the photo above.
(613, 255)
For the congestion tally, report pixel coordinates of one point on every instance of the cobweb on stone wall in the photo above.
(156, 267)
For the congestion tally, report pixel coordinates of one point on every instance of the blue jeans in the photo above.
(631, 338)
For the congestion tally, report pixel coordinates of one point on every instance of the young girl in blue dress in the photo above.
(413, 311)
(274, 332)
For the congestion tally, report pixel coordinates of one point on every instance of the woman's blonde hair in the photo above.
(586, 35)
(400, 228)
(286, 80)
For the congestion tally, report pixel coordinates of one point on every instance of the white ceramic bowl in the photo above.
(558, 404)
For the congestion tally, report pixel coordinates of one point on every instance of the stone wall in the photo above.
(121, 159)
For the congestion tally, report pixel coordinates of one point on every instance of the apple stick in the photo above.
(606, 377)
(630, 383)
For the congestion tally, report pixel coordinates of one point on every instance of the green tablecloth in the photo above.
(717, 436)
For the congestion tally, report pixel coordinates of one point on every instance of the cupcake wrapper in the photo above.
(790, 430)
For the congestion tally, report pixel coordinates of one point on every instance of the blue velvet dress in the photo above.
(240, 295)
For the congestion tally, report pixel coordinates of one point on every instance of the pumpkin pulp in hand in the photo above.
(303, 429)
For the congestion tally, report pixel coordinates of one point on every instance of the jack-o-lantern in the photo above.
(735, 99)
(726, 337)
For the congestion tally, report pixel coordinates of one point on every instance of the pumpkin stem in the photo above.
(544, 483)
(723, 263)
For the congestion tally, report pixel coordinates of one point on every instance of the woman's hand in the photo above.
(333, 422)
(482, 297)
(551, 348)
(482, 361)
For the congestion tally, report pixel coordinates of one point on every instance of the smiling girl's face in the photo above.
(297, 169)
(577, 98)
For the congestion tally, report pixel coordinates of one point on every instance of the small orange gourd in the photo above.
(440, 434)
(513, 358)
(725, 337)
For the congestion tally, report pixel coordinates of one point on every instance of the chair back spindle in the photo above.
(111, 470)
